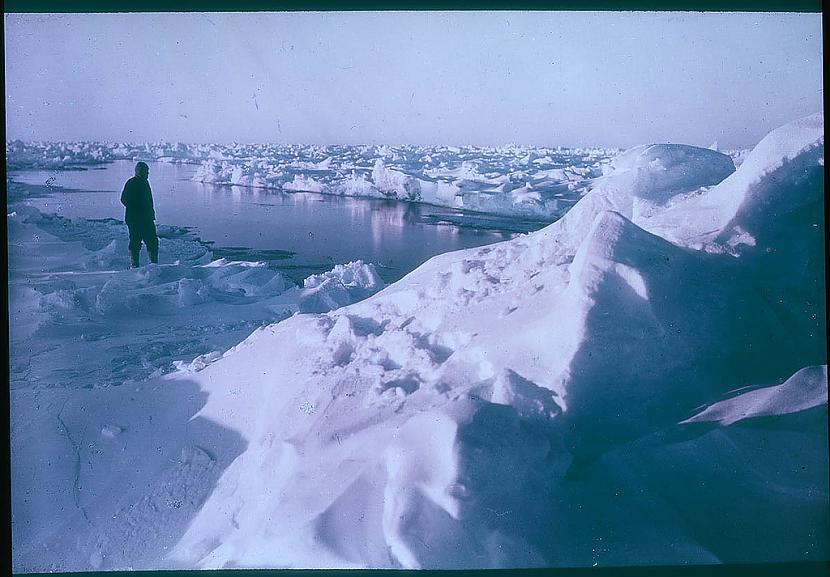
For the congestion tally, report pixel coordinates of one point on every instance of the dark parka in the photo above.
(138, 198)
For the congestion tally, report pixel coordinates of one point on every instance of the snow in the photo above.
(751, 193)
(804, 390)
(303, 183)
(357, 185)
(394, 183)
(636, 383)
(71, 277)
(342, 285)
(658, 171)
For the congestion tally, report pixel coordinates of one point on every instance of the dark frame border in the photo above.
(56, 6)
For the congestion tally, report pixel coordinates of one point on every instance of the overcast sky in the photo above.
(612, 79)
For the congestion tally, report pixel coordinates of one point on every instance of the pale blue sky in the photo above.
(571, 79)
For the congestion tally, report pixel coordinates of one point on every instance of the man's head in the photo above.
(142, 170)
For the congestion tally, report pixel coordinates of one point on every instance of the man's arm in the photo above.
(152, 204)
(125, 194)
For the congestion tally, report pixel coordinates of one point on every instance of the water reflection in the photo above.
(412, 214)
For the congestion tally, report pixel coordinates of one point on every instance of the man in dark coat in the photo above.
(139, 216)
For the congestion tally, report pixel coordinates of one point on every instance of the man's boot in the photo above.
(154, 255)
(134, 258)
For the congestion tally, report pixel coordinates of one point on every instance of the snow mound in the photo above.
(658, 171)
(246, 279)
(760, 193)
(768, 472)
(435, 426)
(646, 179)
(343, 285)
(111, 431)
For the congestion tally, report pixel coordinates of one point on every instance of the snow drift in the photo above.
(342, 285)
(632, 384)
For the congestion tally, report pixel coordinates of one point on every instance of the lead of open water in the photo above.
(300, 233)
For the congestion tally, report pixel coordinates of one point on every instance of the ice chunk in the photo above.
(394, 183)
(111, 431)
(303, 183)
(804, 390)
(342, 285)
(357, 185)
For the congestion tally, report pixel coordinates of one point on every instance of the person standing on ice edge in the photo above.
(139, 215)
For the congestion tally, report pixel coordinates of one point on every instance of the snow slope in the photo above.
(576, 396)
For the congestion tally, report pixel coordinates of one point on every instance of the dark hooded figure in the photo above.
(139, 216)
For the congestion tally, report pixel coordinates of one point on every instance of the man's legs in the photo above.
(151, 239)
(143, 231)
(135, 243)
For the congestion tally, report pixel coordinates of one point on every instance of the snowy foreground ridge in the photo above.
(643, 381)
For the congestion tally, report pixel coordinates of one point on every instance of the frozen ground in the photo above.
(643, 381)
(81, 318)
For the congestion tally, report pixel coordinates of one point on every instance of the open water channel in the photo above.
(299, 233)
